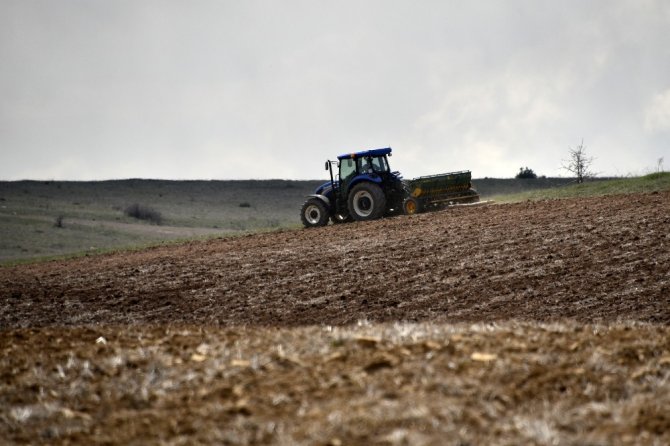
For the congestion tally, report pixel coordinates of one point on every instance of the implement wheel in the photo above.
(411, 206)
(314, 213)
(366, 202)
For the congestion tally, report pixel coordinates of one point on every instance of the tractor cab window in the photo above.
(379, 164)
(347, 169)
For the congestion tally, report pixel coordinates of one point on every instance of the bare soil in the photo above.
(538, 322)
(589, 260)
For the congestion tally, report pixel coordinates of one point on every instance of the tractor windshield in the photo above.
(379, 164)
(373, 164)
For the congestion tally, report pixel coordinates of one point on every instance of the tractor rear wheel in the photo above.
(411, 206)
(366, 202)
(314, 213)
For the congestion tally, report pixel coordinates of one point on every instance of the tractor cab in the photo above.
(371, 165)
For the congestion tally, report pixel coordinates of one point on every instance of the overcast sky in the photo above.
(105, 89)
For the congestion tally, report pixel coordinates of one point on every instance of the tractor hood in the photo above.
(325, 188)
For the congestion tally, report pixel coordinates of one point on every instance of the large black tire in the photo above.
(411, 206)
(314, 213)
(366, 202)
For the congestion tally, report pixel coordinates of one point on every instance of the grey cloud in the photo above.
(263, 89)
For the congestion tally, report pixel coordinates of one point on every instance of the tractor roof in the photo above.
(374, 152)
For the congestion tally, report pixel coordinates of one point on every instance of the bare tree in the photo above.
(579, 163)
(659, 165)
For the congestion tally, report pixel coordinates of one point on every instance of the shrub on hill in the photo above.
(526, 173)
(142, 212)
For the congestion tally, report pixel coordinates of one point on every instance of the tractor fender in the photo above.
(323, 198)
(361, 178)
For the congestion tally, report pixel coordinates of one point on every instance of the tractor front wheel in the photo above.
(366, 202)
(314, 213)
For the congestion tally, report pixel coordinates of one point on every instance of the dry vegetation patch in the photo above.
(397, 383)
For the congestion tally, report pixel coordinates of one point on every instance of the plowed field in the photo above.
(537, 322)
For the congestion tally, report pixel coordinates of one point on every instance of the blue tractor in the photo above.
(364, 188)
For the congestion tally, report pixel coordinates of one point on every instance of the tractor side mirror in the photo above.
(327, 164)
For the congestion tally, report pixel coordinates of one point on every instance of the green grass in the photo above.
(648, 183)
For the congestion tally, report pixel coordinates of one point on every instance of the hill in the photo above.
(51, 218)
(547, 254)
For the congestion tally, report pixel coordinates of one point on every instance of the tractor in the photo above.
(365, 188)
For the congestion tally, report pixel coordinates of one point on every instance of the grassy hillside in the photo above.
(93, 218)
(648, 183)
